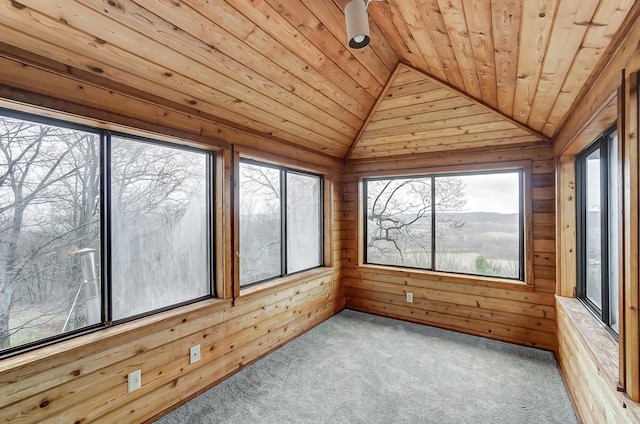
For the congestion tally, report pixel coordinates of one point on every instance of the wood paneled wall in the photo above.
(512, 312)
(598, 369)
(84, 379)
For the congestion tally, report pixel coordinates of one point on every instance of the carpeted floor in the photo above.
(360, 368)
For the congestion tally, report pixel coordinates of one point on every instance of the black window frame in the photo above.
(603, 144)
(104, 157)
(433, 177)
(283, 170)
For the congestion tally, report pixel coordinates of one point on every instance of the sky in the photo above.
(492, 192)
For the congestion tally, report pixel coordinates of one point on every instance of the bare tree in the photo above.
(399, 216)
(35, 159)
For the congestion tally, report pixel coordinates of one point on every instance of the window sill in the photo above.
(603, 348)
(283, 282)
(448, 277)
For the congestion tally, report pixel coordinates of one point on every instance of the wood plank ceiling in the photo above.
(282, 67)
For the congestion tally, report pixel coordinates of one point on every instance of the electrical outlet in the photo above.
(194, 354)
(409, 297)
(134, 380)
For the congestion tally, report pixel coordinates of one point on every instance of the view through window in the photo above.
(55, 217)
(464, 223)
(597, 213)
(280, 221)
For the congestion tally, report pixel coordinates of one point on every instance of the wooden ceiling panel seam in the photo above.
(410, 13)
(524, 141)
(286, 34)
(456, 23)
(566, 35)
(217, 36)
(439, 33)
(81, 107)
(331, 18)
(228, 69)
(538, 20)
(404, 112)
(405, 45)
(260, 40)
(305, 21)
(486, 106)
(483, 47)
(568, 98)
(449, 122)
(448, 136)
(399, 68)
(506, 22)
(253, 100)
(451, 108)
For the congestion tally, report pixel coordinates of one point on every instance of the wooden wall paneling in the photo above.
(631, 207)
(512, 312)
(566, 243)
(91, 378)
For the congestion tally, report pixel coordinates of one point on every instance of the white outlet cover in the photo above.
(194, 354)
(409, 297)
(134, 381)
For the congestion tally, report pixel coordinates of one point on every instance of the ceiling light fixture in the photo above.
(357, 19)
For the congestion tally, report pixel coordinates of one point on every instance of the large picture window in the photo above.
(96, 227)
(280, 221)
(463, 223)
(597, 190)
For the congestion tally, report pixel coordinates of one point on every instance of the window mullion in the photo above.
(604, 227)
(433, 223)
(107, 300)
(283, 222)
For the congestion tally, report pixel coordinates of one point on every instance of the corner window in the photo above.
(468, 223)
(96, 227)
(280, 221)
(597, 196)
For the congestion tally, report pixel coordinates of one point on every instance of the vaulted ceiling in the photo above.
(437, 75)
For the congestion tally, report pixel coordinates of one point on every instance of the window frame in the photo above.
(283, 171)
(104, 159)
(601, 143)
(523, 167)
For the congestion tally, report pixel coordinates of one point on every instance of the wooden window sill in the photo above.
(603, 348)
(449, 277)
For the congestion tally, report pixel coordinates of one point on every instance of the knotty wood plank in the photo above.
(570, 26)
(479, 23)
(506, 27)
(601, 86)
(454, 18)
(537, 20)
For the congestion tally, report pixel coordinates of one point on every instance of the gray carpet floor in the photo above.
(361, 368)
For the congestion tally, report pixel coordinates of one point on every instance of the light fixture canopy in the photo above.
(357, 20)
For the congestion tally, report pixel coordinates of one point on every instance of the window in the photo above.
(463, 223)
(280, 221)
(96, 227)
(597, 196)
